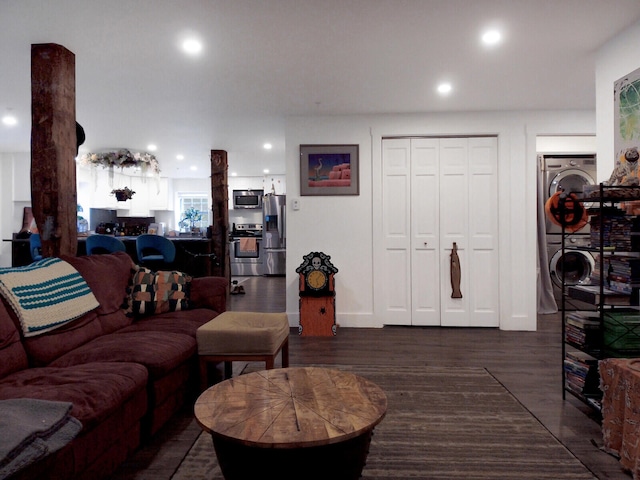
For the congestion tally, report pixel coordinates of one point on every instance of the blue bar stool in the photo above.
(155, 251)
(100, 244)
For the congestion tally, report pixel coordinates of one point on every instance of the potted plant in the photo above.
(123, 194)
(189, 218)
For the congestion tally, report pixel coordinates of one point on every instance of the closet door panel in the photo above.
(483, 188)
(454, 312)
(425, 288)
(483, 232)
(454, 221)
(425, 265)
(453, 192)
(395, 277)
(484, 295)
(397, 291)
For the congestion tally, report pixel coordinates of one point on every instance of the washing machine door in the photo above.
(571, 181)
(576, 265)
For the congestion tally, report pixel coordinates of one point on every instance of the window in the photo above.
(199, 202)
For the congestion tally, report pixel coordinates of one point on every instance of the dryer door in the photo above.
(577, 266)
(571, 181)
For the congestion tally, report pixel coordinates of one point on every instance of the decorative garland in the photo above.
(122, 158)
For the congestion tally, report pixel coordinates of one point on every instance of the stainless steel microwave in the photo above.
(247, 199)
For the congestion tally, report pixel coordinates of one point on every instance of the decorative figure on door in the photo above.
(455, 272)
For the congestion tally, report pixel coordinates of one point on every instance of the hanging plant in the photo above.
(122, 158)
(123, 194)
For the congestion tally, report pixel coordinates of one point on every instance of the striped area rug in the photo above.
(442, 424)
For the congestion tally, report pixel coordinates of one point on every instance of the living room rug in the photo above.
(441, 423)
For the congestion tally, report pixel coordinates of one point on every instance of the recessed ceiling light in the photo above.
(234, 174)
(192, 46)
(193, 168)
(444, 88)
(180, 157)
(152, 148)
(266, 170)
(267, 146)
(491, 37)
(9, 120)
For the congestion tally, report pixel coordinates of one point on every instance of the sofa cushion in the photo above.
(160, 352)
(107, 276)
(43, 349)
(12, 354)
(209, 292)
(185, 322)
(95, 389)
(152, 293)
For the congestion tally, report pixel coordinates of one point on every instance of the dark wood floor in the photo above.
(528, 364)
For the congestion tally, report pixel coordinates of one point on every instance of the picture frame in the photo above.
(329, 170)
(626, 115)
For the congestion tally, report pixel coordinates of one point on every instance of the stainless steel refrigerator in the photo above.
(274, 234)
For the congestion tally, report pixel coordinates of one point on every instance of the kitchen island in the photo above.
(193, 254)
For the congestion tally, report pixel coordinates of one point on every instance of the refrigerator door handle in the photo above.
(281, 223)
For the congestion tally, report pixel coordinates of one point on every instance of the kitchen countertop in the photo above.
(82, 238)
(191, 252)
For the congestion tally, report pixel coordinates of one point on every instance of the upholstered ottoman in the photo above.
(242, 336)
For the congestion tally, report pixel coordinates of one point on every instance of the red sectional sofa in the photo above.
(125, 376)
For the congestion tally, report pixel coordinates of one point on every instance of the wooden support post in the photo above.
(53, 148)
(220, 207)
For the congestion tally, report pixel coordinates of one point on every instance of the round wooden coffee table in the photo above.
(306, 422)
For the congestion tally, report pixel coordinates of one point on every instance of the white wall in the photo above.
(616, 59)
(343, 226)
(15, 194)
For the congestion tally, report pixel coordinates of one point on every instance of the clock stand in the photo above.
(317, 301)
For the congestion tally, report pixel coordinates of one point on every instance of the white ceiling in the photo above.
(264, 60)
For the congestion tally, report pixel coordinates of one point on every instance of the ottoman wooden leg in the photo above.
(285, 353)
(204, 374)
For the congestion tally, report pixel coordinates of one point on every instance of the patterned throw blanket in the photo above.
(46, 294)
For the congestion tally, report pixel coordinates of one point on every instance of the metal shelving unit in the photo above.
(613, 328)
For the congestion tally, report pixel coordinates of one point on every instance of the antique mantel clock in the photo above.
(317, 295)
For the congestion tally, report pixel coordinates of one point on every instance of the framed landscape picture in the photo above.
(329, 170)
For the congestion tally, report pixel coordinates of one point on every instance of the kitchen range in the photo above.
(245, 249)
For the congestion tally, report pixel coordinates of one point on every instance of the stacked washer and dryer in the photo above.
(568, 173)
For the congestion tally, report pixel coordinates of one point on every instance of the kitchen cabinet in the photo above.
(160, 194)
(437, 192)
(101, 187)
(151, 194)
(139, 204)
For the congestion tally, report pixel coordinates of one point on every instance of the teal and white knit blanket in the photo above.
(46, 294)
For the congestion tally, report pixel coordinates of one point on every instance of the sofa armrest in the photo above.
(209, 292)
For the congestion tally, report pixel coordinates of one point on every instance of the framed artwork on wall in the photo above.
(627, 118)
(329, 170)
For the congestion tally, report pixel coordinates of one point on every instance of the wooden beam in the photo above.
(54, 147)
(220, 207)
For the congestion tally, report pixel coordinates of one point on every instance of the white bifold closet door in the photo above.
(434, 192)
